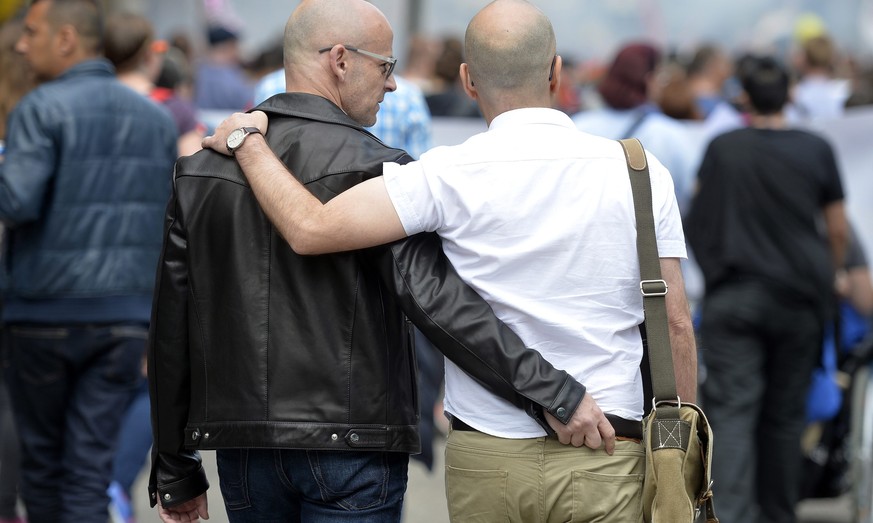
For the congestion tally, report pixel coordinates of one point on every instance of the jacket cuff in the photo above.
(178, 492)
(563, 406)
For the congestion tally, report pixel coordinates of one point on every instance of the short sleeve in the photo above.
(832, 190)
(412, 194)
(668, 222)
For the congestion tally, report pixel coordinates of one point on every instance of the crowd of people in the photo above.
(484, 292)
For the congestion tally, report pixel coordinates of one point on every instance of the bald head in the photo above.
(340, 50)
(509, 47)
(317, 24)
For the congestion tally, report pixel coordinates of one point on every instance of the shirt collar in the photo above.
(94, 66)
(531, 115)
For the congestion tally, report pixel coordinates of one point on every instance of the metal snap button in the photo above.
(561, 412)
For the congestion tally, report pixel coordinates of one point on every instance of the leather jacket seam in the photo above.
(450, 335)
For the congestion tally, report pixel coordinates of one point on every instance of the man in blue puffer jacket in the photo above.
(83, 189)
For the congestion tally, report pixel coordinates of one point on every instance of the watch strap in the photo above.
(246, 131)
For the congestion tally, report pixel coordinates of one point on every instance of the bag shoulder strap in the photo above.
(638, 120)
(652, 285)
(654, 290)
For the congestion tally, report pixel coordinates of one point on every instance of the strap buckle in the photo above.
(656, 402)
(649, 288)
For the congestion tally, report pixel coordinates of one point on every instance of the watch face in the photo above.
(235, 138)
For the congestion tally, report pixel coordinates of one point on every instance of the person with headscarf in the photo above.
(629, 111)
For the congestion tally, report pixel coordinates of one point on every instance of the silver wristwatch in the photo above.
(236, 138)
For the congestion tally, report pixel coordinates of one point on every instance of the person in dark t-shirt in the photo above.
(755, 228)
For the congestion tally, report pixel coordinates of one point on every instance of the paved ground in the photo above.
(425, 499)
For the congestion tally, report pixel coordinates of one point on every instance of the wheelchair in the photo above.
(860, 441)
(840, 460)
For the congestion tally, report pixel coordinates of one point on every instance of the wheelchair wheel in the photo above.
(861, 445)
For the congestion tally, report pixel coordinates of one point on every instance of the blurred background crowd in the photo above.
(219, 50)
(699, 46)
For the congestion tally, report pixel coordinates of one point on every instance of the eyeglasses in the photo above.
(390, 61)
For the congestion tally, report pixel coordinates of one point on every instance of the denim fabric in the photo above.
(134, 438)
(8, 453)
(263, 485)
(70, 386)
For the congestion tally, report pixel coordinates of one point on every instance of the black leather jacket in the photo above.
(252, 345)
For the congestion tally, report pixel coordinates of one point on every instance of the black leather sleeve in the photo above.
(464, 328)
(176, 473)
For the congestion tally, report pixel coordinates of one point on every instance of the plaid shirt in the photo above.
(403, 120)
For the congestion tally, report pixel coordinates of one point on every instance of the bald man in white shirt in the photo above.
(538, 218)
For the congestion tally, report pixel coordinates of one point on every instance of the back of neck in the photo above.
(768, 121)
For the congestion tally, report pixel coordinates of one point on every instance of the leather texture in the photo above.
(253, 345)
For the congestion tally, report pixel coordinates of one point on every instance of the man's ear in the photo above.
(555, 81)
(67, 39)
(467, 82)
(339, 65)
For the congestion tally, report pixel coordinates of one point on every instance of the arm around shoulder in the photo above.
(360, 217)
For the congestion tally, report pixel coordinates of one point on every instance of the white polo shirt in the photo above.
(538, 218)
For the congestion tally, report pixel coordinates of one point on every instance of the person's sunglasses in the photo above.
(390, 61)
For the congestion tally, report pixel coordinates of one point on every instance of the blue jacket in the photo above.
(83, 189)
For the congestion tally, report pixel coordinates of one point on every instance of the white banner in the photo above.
(850, 136)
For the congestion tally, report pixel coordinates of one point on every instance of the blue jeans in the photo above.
(9, 455)
(287, 486)
(431, 369)
(70, 386)
(134, 438)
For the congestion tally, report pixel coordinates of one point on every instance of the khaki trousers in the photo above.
(539, 480)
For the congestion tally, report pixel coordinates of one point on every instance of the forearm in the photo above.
(176, 472)
(463, 327)
(837, 226)
(360, 217)
(29, 167)
(860, 289)
(20, 195)
(682, 341)
(684, 359)
(837, 245)
(292, 209)
(176, 478)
